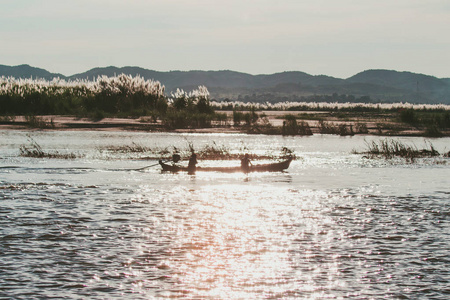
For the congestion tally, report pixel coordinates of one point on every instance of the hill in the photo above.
(418, 86)
(26, 71)
(211, 79)
(367, 86)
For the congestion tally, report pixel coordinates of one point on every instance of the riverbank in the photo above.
(269, 122)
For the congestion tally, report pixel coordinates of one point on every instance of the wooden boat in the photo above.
(273, 167)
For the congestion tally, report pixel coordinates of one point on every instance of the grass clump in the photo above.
(35, 150)
(361, 128)
(208, 152)
(39, 122)
(7, 119)
(389, 149)
(214, 152)
(331, 128)
(133, 148)
(292, 127)
(222, 152)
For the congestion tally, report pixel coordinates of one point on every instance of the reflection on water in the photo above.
(332, 226)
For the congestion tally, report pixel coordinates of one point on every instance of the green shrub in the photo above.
(237, 117)
(408, 116)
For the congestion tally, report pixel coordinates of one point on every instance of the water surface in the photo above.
(335, 225)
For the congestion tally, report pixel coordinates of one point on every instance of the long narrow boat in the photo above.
(273, 167)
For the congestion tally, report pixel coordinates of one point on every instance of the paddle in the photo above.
(175, 158)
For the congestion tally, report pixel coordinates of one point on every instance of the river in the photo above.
(335, 225)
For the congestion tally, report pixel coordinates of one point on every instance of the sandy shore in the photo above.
(274, 118)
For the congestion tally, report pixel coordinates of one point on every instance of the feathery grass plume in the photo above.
(58, 96)
(127, 85)
(349, 106)
(24, 87)
(197, 100)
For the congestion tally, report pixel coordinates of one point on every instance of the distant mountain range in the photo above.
(367, 86)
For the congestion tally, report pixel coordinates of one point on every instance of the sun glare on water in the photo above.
(335, 225)
(232, 242)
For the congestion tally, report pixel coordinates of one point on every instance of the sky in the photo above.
(338, 38)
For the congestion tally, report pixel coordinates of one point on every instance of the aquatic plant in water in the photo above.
(35, 150)
(211, 151)
(389, 148)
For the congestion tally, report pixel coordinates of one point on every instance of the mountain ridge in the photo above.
(377, 85)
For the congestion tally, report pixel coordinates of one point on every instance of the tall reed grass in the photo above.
(122, 84)
(122, 95)
(326, 106)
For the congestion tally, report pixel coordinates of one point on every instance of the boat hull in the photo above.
(273, 167)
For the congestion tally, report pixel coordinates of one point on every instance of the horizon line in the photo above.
(224, 70)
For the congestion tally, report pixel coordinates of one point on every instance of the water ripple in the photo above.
(335, 230)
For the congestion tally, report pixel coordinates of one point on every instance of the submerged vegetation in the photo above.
(211, 151)
(386, 148)
(35, 150)
(389, 149)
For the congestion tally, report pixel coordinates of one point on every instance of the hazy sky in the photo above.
(333, 37)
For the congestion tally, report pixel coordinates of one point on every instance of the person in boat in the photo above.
(192, 165)
(245, 163)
